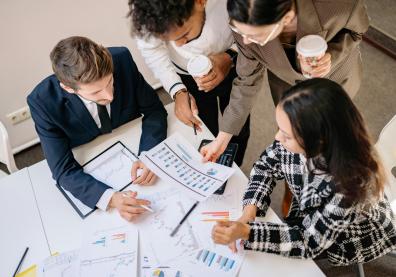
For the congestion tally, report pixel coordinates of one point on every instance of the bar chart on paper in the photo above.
(176, 161)
(214, 262)
(110, 252)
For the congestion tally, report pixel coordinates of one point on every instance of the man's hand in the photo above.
(146, 176)
(222, 64)
(227, 232)
(212, 151)
(316, 68)
(183, 111)
(127, 204)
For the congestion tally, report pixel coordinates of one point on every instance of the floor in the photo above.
(376, 100)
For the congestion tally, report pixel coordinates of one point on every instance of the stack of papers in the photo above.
(114, 251)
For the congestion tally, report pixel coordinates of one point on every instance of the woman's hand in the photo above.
(222, 64)
(212, 151)
(315, 67)
(249, 214)
(227, 232)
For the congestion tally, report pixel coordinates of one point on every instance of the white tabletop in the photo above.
(64, 227)
(20, 224)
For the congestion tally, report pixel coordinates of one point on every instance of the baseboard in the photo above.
(25, 145)
(381, 40)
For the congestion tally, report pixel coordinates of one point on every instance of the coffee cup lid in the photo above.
(199, 66)
(311, 46)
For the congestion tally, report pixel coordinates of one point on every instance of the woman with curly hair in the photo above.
(323, 151)
(169, 33)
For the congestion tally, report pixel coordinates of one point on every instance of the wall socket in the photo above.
(19, 115)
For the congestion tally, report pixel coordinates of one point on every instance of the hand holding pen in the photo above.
(186, 109)
(128, 205)
(189, 102)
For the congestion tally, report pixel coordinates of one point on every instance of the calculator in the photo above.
(227, 158)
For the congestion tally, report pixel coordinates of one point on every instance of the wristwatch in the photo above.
(178, 92)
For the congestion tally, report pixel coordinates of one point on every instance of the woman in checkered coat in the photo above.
(323, 151)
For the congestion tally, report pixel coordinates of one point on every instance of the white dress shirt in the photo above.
(163, 56)
(93, 110)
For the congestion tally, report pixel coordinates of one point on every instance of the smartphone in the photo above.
(227, 158)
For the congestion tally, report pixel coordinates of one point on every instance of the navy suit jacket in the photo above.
(62, 122)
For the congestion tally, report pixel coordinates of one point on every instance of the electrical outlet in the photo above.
(19, 115)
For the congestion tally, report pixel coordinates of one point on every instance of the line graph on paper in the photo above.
(112, 167)
(115, 265)
(110, 253)
(62, 265)
(167, 249)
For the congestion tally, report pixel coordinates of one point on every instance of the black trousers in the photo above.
(208, 109)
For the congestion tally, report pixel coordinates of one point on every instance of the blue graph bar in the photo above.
(210, 258)
(223, 262)
(229, 264)
(204, 255)
(199, 254)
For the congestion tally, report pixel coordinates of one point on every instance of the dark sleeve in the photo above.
(350, 36)
(263, 178)
(154, 123)
(67, 172)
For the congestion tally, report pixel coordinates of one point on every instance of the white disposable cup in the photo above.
(199, 66)
(311, 48)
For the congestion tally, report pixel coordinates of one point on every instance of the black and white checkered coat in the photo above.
(319, 218)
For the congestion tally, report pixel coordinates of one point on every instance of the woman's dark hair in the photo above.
(158, 16)
(258, 12)
(332, 132)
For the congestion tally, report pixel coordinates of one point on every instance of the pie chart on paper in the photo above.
(158, 273)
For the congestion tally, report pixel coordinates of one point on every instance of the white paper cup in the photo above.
(311, 48)
(199, 66)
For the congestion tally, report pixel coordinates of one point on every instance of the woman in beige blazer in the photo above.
(266, 32)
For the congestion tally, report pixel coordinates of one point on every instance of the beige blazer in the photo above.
(340, 22)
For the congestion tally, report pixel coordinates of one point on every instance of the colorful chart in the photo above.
(158, 273)
(210, 216)
(110, 252)
(119, 237)
(214, 260)
(177, 162)
(100, 242)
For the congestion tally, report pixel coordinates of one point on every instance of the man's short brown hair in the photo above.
(80, 60)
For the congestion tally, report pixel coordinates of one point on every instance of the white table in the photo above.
(64, 227)
(20, 224)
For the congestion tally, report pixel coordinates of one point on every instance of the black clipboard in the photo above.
(63, 191)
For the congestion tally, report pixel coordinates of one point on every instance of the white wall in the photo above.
(30, 29)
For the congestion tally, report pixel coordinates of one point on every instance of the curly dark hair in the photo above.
(158, 16)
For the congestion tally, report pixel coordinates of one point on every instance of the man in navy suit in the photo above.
(94, 90)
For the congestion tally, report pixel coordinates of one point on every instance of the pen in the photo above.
(20, 262)
(125, 194)
(183, 219)
(147, 208)
(189, 102)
